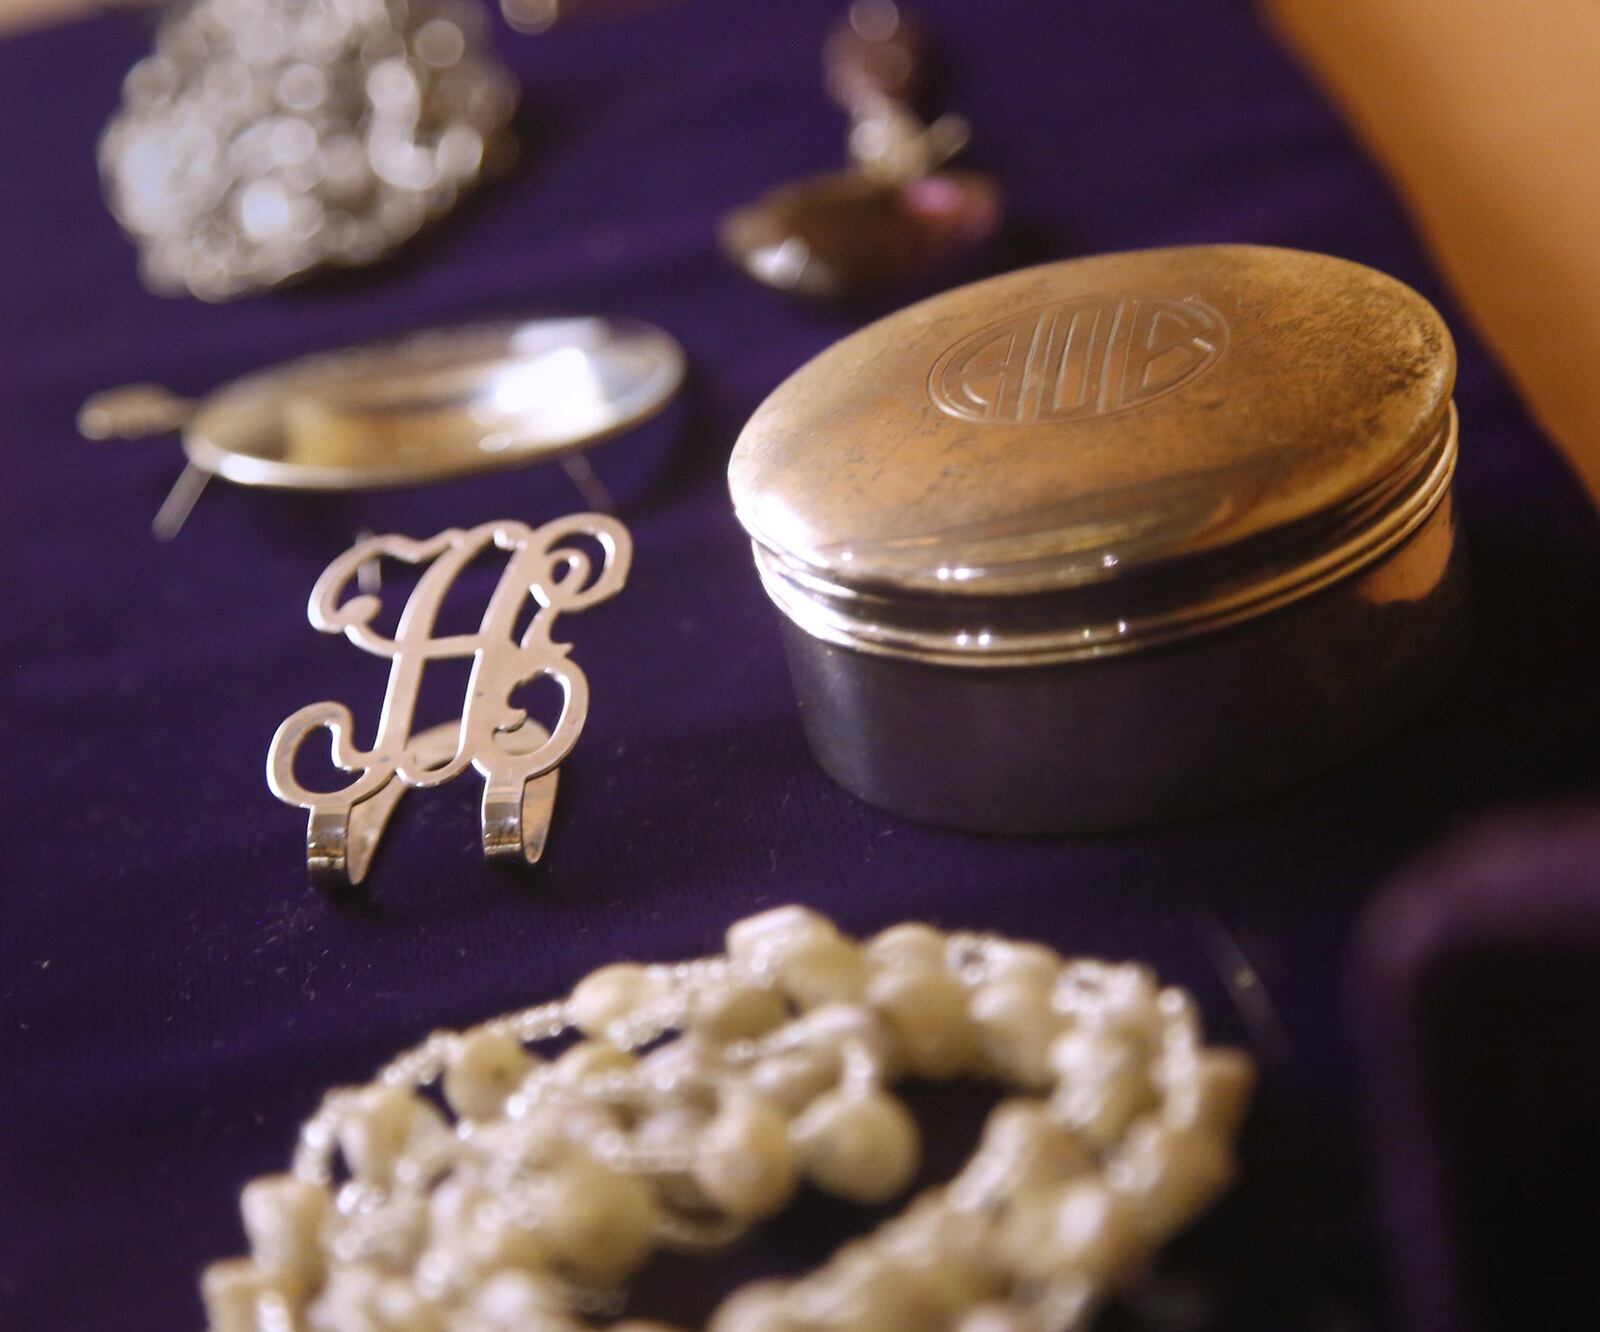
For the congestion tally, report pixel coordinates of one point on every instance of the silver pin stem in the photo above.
(586, 482)
(369, 573)
(179, 503)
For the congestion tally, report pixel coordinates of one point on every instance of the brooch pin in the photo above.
(440, 403)
(899, 214)
(516, 756)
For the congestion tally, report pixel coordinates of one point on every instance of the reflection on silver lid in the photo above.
(1099, 453)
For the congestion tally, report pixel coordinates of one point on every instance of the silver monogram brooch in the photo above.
(516, 756)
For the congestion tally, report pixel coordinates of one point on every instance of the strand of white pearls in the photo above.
(538, 1185)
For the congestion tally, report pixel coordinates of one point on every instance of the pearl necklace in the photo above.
(551, 1180)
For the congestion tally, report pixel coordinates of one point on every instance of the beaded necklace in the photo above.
(477, 1186)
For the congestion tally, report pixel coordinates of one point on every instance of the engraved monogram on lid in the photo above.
(1090, 356)
(1089, 422)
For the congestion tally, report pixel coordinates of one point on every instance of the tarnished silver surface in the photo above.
(1103, 743)
(265, 138)
(515, 755)
(1114, 539)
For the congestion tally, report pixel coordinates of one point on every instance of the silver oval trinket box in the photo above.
(1113, 540)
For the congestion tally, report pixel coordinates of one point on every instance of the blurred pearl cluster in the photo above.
(485, 1184)
(266, 138)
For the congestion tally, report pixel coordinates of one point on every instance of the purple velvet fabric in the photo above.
(174, 997)
(1476, 997)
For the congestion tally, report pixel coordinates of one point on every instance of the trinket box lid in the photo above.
(1198, 416)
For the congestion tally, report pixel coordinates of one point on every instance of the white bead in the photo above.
(1104, 1085)
(453, 1205)
(684, 1067)
(671, 1130)
(1130, 1006)
(811, 961)
(383, 1123)
(401, 1309)
(758, 940)
(1180, 1017)
(818, 971)
(1119, 1001)
(513, 1301)
(762, 1306)
(951, 1282)
(361, 1298)
(666, 1139)
(947, 1251)
(902, 945)
(1028, 963)
(1170, 1175)
(589, 1059)
(834, 1029)
(1021, 1130)
(484, 1069)
(1016, 1027)
(930, 1225)
(792, 1079)
(1021, 1147)
(609, 995)
(1080, 1228)
(863, 1290)
(284, 1218)
(399, 1240)
(545, 1134)
(599, 1225)
(348, 1300)
(995, 1317)
(746, 1163)
(735, 1012)
(441, 1272)
(1210, 1091)
(927, 1010)
(230, 1291)
(489, 1245)
(862, 1147)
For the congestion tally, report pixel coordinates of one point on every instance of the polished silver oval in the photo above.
(441, 403)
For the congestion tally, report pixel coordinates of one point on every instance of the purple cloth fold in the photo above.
(1476, 999)
(173, 998)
